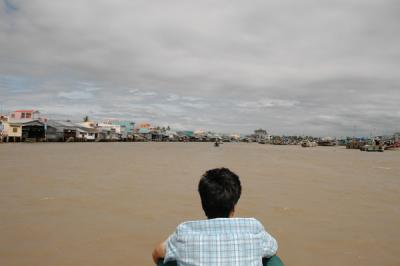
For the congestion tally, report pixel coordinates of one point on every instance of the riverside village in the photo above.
(30, 126)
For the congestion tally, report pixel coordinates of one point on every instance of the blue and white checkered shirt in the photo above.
(221, 241)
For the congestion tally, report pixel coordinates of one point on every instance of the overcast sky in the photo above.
(291, 67)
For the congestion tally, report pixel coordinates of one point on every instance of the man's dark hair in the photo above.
(219, 191)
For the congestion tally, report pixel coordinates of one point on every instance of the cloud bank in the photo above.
(292, 67)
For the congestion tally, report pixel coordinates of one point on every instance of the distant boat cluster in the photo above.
(29, 126)
(377, 143)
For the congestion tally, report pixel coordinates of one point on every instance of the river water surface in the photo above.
(79, 204)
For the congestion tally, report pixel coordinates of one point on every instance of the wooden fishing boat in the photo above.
(368, 148)
(327, 143)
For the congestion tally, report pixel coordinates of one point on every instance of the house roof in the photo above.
(144, 130)
(89, 129)
(25, 111)
(33, 123)
(187, 133)
(27, 123)
(61, 124)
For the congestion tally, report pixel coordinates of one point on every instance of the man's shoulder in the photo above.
(244, 225)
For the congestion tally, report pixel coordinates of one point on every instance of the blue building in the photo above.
(126, 127)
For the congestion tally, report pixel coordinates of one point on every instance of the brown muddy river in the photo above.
(78, 204)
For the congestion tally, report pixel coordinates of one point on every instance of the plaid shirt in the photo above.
(221, 241)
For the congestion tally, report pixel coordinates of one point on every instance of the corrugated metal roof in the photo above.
(61, 124)
(188, 133)
(89, 129)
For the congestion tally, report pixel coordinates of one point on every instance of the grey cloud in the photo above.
(76, 95)
(267, 103)
(312, 67)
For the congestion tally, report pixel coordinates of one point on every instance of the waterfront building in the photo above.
(1, 131)
(88, 134)
(200, 135)
(26, 125)
(261, 135)
(89, 131)
(212, 136)
(144, 125)
(126, 128)
(88, 124)
(12, 131)
(396, 136)
(150, 134)
(187, 135)
(144, 134)
(22, 116)
(110, 131)
(171, 135)
(57, 130)
(3, 121)
(33, 130)
(235, 137)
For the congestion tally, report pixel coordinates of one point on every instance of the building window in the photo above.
(15, 129)
(28, 115)
(22, 115)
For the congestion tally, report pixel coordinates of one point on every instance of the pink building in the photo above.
(25, 115)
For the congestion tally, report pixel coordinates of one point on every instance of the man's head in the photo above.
(219, 190)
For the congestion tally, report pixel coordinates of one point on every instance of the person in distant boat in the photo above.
(221, 239)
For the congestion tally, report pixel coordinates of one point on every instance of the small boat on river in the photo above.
(307, 143)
